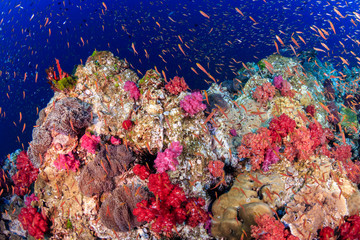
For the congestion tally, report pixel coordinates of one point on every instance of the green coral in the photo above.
(261, 65)
(94, 53)
(65, 84)
(69, 224)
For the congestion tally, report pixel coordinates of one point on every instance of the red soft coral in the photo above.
(176, 85)
(301, 140)
(264, 93)
(350, 230)
(169, 207)
(26, 174)
(216, 168)
(33, 221)
(311, 110)
(268, 228)
(326, 233)
(254, 145)
(343, 153)
(281, 127)
(141, 171)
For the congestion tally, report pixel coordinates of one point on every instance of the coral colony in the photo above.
(118, 157)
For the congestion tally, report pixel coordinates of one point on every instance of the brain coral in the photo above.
(235, 211)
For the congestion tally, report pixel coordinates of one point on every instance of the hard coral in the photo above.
(176, 85)
(33, 221)
(131, 87)
(67, 161)
(264, 93)
(26, 174)
(168, 159)
(268, 228)
(192, 104)
(90, 142)
(169, 207)
(116, 212)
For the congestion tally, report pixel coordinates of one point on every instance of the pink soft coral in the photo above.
(131, 87)
(268, 228)
(302, 142)
(31, 198)
(67, 161)
(271, 157)
(264, 93)
(278, 80)
(26, 174)
(168, 159)
(33, 221)
(176, 85)
(192, 104)
(89, 142)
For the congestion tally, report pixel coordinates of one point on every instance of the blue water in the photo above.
(26, 47)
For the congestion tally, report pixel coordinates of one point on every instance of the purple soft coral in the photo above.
(278, 81)
(192, 104)
(132, 89)
(271, 157)
(167, 160)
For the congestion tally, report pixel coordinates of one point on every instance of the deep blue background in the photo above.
(219, 43)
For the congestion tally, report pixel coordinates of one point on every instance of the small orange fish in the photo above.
(204, 14)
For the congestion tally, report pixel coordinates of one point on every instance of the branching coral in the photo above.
(116, 211)
(176, 85)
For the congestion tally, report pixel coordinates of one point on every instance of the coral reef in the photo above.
(121, 157)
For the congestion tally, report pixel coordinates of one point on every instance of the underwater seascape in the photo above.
(187, 119)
